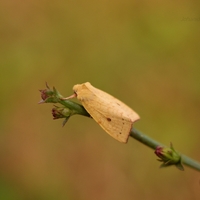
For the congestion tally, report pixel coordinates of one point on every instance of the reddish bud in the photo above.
(169, 156)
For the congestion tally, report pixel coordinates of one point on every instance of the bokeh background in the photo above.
(146, 53)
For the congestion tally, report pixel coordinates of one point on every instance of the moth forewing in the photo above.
(115, 117)
(110, 101)
(115, 126)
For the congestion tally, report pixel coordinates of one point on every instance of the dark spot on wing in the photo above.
(109, 119)
(122, 126)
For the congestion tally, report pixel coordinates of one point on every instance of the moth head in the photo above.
(77, 88)
(80, 88)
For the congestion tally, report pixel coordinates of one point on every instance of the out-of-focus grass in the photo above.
(147, 55)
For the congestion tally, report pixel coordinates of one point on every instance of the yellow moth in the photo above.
(111, 114)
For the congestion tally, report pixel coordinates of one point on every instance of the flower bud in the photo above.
(58, 112)
(168, 156)
(45, 94)
(49, 96)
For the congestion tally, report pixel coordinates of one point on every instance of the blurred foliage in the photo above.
(144, 53)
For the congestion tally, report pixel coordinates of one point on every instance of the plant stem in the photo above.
(53, 96)
(190, 162)
(77, 108)
(154, 144)
(144, 139)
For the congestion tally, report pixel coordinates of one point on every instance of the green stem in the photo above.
(75, 107)
(53, 96)
(144, 139)
(154, 144)
(190, 162)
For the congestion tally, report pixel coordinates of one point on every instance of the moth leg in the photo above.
(70, 97)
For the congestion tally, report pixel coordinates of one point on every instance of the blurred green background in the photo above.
(145, 53)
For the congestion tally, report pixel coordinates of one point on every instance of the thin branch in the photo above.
(168, 155)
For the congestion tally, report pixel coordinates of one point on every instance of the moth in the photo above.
(115, 117)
